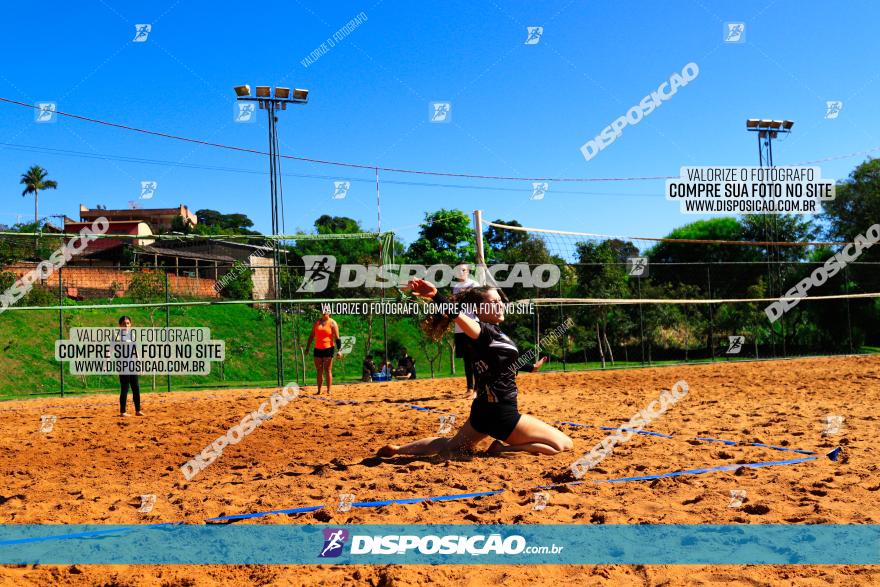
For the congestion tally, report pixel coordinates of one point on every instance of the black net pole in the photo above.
(848, 317)
(561, 324)
(641, 320)
(711, 312)
(167, 324)
(61, 325)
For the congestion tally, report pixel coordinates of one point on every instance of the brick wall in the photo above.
(93, 282)
(263, 277)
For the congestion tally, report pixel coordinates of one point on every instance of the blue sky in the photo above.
(517, 109)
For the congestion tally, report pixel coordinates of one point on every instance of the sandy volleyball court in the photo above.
(93, 467)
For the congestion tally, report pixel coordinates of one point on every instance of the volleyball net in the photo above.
(624, 299)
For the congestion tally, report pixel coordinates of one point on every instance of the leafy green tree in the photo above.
(499, 241)
(601, 274)
(855, 208)
(214, 222)
(446, 236)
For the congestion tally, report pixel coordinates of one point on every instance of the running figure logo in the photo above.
(148, 189)
(735, 344)
(541, 499)
(734, 32)
(440, 111)
(45, 112)
(318, 268)
(346, 344)
(539, 188)
(637, 266)
(832, 109)
(340, 189)
(737, 496)
(534, 35)
(47, 423)
(142, 31)
(833, 424)
(334, 541)
(244, 112)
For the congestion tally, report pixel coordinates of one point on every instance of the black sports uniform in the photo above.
(494, 411)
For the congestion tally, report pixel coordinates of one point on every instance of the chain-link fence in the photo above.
(597, 316)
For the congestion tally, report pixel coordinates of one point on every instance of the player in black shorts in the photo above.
(494, 411)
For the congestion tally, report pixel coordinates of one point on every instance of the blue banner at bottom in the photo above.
(441, 544)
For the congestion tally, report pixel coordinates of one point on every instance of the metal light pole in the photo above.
(767, 130)
(271, 104)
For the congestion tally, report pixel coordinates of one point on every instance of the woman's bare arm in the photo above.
(468, 325)
(311, 337)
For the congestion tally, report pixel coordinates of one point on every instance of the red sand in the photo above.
(94, 465)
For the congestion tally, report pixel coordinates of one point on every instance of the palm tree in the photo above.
(35, 180)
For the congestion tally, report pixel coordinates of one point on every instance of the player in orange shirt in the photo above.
(325, 333)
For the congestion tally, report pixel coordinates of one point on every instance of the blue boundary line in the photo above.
(92, 534)
(832, 455)
(410, 500)
(700, 438)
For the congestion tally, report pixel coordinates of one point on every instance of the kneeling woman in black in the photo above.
(494, 411)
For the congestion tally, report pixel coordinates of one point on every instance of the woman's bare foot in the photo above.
(139, 413)
(389, 450)
(495, 447)
(472, 394)
(125, 414)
